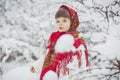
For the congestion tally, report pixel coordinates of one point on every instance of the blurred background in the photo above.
(25, 26)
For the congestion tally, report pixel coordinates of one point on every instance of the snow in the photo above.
(98, 37)
(110, 49)
(89, 3)
(103, 2)
(20, 73)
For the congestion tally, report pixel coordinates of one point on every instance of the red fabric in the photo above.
(53, 38)
(62, 59)
(77, 43)
(74, 17)
(56, 66)
(50, 67)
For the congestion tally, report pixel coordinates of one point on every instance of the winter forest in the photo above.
(25, 26)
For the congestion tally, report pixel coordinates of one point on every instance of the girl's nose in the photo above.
(60, 24)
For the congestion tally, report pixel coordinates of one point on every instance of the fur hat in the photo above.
(73, 17)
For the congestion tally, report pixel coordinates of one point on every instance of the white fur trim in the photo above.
(64, 43)
(50, 75)
(74, 63)
(83, 59)
(81, 47)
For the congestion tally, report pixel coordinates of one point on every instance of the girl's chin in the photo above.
(62, 31)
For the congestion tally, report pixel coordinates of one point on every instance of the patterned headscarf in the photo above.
(73, 17)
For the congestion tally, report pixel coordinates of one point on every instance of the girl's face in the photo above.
(63, 24)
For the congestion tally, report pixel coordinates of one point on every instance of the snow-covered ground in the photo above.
(20, 73)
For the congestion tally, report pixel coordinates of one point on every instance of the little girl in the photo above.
(64, 44)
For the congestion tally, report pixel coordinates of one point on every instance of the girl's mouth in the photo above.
(60, 28)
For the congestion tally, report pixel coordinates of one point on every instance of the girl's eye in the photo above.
(64, 21)
(57, 21)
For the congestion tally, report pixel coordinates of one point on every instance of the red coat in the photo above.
(53, 61)
(58, 62)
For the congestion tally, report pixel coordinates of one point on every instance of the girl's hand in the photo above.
(32, 69)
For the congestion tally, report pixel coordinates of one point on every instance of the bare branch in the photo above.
(81, 2)
(84, 71)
